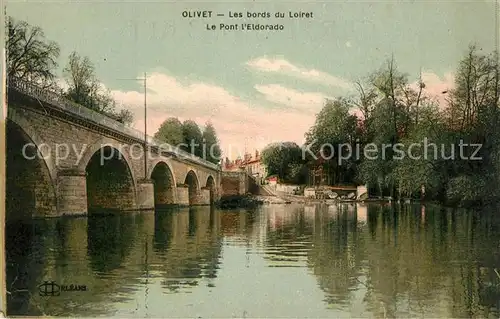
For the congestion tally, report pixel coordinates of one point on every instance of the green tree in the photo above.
(84, 87)
(171, 132)
(335, 131)
(284, 160)
(473, 119)
(212, 147)
(193, 138)
(392, 106)
(476, 89)
(427, 167)
(30, 56)
(376, 169)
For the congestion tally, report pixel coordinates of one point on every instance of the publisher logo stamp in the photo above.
(50, 288)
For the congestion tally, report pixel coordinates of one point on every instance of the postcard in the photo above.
(250, 159)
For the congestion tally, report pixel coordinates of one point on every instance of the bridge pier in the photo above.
(145, 194)
(204, 198)
(182, 195)
(72, 192)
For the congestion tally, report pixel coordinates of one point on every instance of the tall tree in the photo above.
(171, 132)
(473, 118)
(424, 169)
(193, 138)
(389, 122)
(212, 149)
(390, 85)
(365, 102)
(29, 55)
(84, 87)
(334, 129)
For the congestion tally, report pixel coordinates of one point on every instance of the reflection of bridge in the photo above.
(115, 257)
(86, 160)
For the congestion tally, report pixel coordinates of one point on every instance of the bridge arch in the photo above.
(101, 143)
(30, 185)
(193, 184)
(152, 165)
(210, 184)
(164, 184)
(110, 179)
(17, 118)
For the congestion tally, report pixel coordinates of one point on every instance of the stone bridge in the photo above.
(65, 159)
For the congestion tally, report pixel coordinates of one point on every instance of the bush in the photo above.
(467, 190)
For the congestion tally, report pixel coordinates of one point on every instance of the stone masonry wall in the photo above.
(29, 185)
(182, 195)
(234, 183)
(72, 193)
(204, 196)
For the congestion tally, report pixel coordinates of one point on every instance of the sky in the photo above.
(257, 87)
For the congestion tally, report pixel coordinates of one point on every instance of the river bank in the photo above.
(249, 200)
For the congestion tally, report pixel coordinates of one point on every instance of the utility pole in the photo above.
(145, 130)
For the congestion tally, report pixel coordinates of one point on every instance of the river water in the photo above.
(273, 261)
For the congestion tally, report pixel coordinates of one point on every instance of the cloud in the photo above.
(305, 101)
(280, 65)
(240, 124)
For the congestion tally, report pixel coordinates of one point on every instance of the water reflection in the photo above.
(340, 260)
(109, 241)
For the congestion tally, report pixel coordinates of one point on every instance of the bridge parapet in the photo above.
(59, 101)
